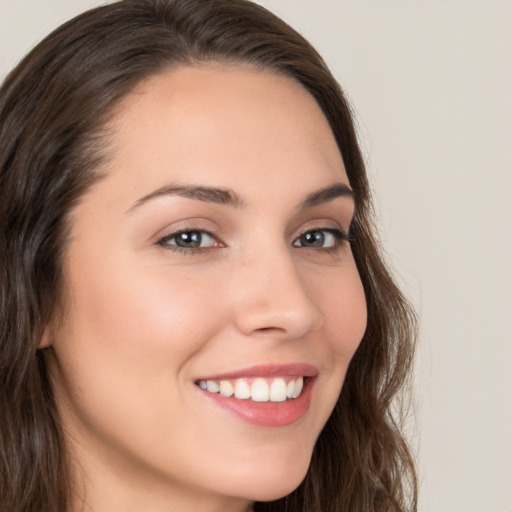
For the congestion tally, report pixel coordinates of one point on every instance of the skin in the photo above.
(141, 320)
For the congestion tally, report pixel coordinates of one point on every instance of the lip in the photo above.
(267, 414)
(267, 370)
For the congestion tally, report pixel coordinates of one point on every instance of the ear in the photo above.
(46, 338)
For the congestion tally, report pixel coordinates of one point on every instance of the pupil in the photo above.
(189, 239)
(314, 239)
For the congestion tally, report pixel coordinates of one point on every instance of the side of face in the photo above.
(207, 253)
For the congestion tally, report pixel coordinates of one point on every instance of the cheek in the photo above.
(351, 315)
(125, 347)
(127, 342)
(341, 299)
(142, 313)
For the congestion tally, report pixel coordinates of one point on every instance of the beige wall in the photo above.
(431, 83)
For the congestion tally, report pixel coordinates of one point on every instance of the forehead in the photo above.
(222, 125)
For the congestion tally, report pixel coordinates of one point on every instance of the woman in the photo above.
(195, 315)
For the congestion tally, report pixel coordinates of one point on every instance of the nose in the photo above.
(273, 298)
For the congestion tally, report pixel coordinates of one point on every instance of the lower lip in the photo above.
(267, 414)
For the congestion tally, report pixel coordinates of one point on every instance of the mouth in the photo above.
(276, 389)
(270, 396)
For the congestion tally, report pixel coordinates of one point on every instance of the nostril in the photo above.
(266, 312)
(269, 329)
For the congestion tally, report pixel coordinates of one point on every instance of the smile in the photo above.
(274, 395)
(276, 389)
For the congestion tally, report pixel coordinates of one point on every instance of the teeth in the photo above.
(278, 391)
(260, 390)
(212, 386)
(297, 388)
(289, 388)
(242, 389)
(225, 388)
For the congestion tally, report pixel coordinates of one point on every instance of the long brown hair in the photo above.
(54, 113)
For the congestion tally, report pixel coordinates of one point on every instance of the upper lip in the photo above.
(267, 370)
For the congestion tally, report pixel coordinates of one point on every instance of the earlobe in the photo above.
(46, 339)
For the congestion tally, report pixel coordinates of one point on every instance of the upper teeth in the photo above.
(260, 390)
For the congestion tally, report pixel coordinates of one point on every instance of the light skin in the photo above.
(143, 319)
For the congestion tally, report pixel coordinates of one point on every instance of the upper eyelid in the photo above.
(339, 233)
(195, 225)
(162, 240)
(175, 233)
(301, 231)
(323, 226)
(186, 225)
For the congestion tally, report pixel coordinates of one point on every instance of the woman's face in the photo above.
(212, 254)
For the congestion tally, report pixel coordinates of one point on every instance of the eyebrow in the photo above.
(199, 193)
(324, 195)
(228, 197)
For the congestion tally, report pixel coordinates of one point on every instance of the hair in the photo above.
(55, 108)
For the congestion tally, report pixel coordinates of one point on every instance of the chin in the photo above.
(272, 491)
(271, 483)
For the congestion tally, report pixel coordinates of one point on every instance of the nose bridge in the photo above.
(273, 296)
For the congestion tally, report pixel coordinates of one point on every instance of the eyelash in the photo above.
(164, 242)
(339, 235)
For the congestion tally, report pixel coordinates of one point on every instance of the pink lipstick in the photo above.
(264, 395)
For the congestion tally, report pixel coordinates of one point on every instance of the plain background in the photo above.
(431, 85)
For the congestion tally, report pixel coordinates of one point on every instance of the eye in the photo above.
(321, 238)
(189, 239)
